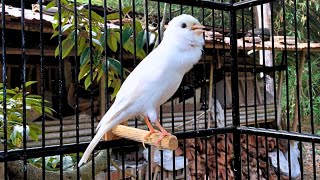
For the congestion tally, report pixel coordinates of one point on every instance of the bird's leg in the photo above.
(151, 130)
(162, 134)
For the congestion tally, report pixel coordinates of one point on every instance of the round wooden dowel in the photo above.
(168, 142)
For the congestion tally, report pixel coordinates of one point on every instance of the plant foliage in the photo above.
(14, 114)
(286, 23)
(52, 163)
(93, 55)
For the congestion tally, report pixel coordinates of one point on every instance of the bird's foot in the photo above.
(147, 135)
(162, 135)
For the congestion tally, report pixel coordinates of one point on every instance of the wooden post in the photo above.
(29, 78)
(296, 118)
(168, 142)
(9, 77)
(67, 73)
(210, 95)
(296, 109)
(279, 94)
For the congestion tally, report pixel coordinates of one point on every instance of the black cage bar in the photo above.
(249, 109)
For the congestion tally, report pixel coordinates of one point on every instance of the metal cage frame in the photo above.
(232, 8)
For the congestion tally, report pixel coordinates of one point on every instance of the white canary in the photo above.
(155, 79)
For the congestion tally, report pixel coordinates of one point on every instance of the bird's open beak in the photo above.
(198, 29)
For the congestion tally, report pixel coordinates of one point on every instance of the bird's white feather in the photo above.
(155, 79)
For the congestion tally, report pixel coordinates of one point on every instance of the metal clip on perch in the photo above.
(168, 142)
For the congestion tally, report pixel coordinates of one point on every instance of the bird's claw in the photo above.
(147, 135)
(162, 135)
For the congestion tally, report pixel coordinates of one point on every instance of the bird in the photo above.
(156, 78)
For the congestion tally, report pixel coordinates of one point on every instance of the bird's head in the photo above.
(185, 29)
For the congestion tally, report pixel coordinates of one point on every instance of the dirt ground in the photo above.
(308, 154)
(308, 162)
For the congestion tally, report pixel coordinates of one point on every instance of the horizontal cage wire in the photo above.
(183, 89)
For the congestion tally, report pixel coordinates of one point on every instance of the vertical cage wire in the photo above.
(61, 77)
(4, 90)
(76, 83)
(274, 85)
(310, 87)
(91, 88)
(235, 94)
(23, 79)
(42, 89)
(264, 83)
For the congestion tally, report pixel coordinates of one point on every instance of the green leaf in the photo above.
(100, 73)
(108, 33)
(31, 101)
(115, 64)
(64, 1)
(112, 43)
(113, 16)
(9, 91)
(96, 41)
(33, 135)
(141, 40)
(96, 17)
(13, 137)
(55, 162)
(56, 23)
(81, 45)
(38, 108)
(50, 5)
(126, 33)
(65, 27)
(67, 46)
(56, 33)
(84, 71)
(96, 58)
(30, 83)
(138, 26)
(127, 9)
(84, 55)
(141, 54)
(15, 117)
(116, 35)
(116, 84)
(110, 80)
(103, 42)
(94, 75)
(87, 82)
(34, 96)
(48, 110)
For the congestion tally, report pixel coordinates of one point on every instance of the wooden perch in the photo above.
(168, 142)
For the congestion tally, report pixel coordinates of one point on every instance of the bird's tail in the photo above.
(105, 127)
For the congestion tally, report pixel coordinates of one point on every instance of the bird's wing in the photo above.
(127, 101)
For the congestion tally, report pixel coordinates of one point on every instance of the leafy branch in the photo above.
(93, 55)
(14, 114)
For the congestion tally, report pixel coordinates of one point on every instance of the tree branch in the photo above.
(162, 24)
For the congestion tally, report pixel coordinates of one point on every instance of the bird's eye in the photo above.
(183, 25)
